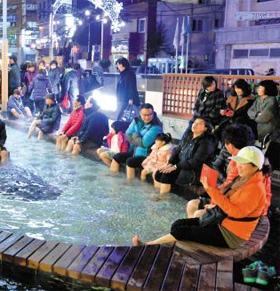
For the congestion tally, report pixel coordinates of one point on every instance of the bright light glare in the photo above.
(97, 17)
(87, 13)
(105, 20)
(69, 20)
(106, 102)
(80, 22)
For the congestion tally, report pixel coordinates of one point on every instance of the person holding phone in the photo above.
(238, 104)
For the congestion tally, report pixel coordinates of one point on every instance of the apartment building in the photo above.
(250, 37)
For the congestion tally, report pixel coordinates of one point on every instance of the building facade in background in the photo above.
(250, 37)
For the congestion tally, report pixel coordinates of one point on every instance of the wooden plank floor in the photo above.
(181, 267)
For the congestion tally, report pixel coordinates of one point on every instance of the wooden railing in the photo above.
(180, 90)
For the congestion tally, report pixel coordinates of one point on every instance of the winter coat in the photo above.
(40, 87)
(69, 84)
(54, 76)
(127, 87)
(209, 105)
(14, 78)
(51, 116)
(28, 78)
(94, 127)
(248, 200)
(16, 104)
(74, 122)
(142, 136)
(158, 157)
(191, 154)
(240, 109)
(265, 112)
(3, 135)
(123, 144)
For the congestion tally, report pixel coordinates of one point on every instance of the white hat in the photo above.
(248, 155)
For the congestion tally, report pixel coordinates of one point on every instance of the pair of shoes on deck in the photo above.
(258, 273)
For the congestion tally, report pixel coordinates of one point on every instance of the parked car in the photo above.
(234, 71)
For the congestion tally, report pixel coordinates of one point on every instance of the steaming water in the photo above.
(56, 196)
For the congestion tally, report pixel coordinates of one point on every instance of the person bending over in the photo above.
(49, 120)
(184, 166)
(243, 202)
(141, 135)
(93, 129)
(73, 125)
(15, 107)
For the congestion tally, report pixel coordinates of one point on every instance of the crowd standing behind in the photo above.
(216, 129)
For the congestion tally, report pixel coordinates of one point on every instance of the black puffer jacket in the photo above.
(54, 76)
(3, 135)
(191, 154)
(51, 116)
(40, 87)
(94, 127)
(69, 84)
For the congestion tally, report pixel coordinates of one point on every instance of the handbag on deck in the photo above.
(129, 113)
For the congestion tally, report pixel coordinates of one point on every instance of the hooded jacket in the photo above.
(123, 144)
(158, 157)
(54, 76)
(51, 116)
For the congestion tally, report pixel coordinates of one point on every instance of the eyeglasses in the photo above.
(147, 115)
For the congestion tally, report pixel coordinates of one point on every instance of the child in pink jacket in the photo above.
(116, 141)
(161, 152)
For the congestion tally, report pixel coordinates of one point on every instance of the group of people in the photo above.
(221, 134)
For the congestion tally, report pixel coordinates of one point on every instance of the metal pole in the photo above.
(177, 44)
(89, 40)
(51, 36)
(101, 40)
(4, 59)
(188, 42)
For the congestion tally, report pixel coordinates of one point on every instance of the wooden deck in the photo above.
(183, 266)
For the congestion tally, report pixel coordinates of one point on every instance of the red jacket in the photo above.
(74, 122)
(122, 142)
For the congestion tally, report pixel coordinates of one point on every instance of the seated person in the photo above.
(93, 129)
(73, 125)
(243, 202)
(184, 166)
(237, 106)
(3, 136)
(116, 141)
(141, 135)
(265, 109)
(49, 120)
(160, 155)
(235, 137)
(15, 107)
(209, 102)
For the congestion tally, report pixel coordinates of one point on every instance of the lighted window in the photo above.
(142, 25)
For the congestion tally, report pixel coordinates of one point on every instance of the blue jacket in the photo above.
(51, 116)
(16, 104)
(142, 136)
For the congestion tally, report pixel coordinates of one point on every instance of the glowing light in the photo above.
(97, 17)
(105, 20)
(87, 13)
(80, 22)
(106, 102)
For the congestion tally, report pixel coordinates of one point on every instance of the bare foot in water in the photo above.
(136, 241)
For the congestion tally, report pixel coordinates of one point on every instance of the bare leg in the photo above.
(156, 183)
(40, 134)
(105, 158)
(4, 156)
(58, 142)
(32, 128)
(64, 143)
(143, 175)
(192, 206)
(165, 188)
(130, 173)
(70, 146)
(115, 167)
(162, 240)
(99, 152)
(28, 112)
(199, 213)
(76, 149)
